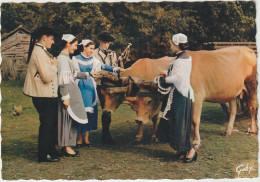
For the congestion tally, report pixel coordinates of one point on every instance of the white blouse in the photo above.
(179, 75)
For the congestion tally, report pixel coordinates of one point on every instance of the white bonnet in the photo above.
(179, 38)
(85, 42)
(68, 37)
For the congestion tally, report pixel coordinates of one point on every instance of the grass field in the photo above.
(218, 157)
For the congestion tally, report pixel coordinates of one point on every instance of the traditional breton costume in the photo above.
(68, 89)
(41, 84)
(88, 86)
(107, 57)
(176, 109)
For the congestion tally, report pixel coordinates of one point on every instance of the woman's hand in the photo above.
(66, 103)
(120, 70)
(54, 61)
(163, 74)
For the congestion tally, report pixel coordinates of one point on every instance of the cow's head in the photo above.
(115, 90)
(113, 93)
(112, 100)
(146, 106)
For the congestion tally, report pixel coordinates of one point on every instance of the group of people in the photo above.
(66, 96)
(63, 90)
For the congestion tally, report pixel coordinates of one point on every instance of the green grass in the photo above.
(218, 156)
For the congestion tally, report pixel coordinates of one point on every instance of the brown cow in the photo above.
(217, 76)
(140, 69)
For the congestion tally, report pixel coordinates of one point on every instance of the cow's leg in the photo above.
(196, 113)
(106, 120)
(252, 108)
(154, 120)
(232, 116)
(139, 134)
(251, 85)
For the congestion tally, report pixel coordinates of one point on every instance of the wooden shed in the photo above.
(14, 50)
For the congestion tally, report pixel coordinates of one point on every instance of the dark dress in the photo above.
(176, 111)
(176, 130)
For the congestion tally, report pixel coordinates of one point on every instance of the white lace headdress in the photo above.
(179, 38)
(68, 37)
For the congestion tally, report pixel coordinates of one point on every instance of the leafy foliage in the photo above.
(148, 26)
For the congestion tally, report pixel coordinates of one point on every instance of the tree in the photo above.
(148, 26)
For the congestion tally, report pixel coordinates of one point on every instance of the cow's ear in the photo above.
(130, 100)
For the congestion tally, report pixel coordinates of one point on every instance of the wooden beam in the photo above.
(113, 90)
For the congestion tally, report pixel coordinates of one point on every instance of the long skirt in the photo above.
(67, 127)
(92, 122)
(176, 130)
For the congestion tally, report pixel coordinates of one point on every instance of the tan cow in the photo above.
(220, 76)
(217, 76)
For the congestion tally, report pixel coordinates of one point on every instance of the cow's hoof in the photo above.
(196, 142)
(196, 146)
(155, 140)
(138, 138)
(251, 132)
(227, 133)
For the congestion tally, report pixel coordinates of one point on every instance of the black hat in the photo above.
(106, 37)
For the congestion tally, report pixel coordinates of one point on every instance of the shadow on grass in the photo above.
(20, 149)
(126, 143)
(212, 132)
(162, 155)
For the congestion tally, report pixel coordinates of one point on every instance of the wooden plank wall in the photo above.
(252, 45)
(14, 50)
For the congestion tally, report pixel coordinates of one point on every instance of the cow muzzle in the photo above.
(139, 122)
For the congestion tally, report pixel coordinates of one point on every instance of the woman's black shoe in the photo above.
(66, 154)
(88, 144)
(189, 160)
